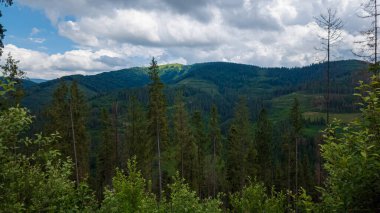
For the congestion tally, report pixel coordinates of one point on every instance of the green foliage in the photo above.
(11, 73)
(184, 142)
(254, 198)
(37, 180)
(66, 112)
(137, 136)
(214, 164)
(352, 161)
(200, 138)
(129, 193)
(158, 127)
(106, 159)
(263, 145)
(183, 199)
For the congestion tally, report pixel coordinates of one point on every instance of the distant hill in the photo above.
(37, 80)
(221, 83)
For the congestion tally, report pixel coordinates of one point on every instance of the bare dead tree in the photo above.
(368, 47)
(116, 132)
(74, 143)
(332, 33)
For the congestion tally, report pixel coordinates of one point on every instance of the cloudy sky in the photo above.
(52, 38)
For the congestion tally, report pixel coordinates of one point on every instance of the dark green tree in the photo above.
(184, 141)
(240, 142)
(214, 163)
(200, 139)
(263, 145)
(137, 137)
(105, 168)
(79, 131)
(157, 120)
(37, 180)
(67, 115)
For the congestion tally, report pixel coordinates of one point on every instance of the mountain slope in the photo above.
(220, 83)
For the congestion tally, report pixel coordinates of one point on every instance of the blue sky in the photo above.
(30, 28)
(52, 38)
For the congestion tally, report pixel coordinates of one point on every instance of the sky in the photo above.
(53, 38)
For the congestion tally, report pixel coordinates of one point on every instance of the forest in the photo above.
(207, 137)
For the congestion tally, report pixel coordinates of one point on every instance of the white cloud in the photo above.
(37, 40)
(109, 34)
(38, 64)
(34, 31)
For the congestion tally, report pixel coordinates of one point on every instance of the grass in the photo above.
(281, 105)
(202, 85)
(345, 117)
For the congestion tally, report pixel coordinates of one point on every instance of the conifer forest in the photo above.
(210, 136)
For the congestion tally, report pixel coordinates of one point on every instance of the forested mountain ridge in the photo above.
(221, 83)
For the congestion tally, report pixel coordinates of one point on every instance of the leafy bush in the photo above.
(254, 198)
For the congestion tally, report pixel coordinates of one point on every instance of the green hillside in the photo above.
(221, 83)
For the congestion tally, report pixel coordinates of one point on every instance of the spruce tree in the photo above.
(157, 119)
(263, 144)
(105, 168)
(214, 162)
(137, 138)
(67, 116)
(240, 143)
(58, 118)
(200, 139)
(79, 115)
(183, 140)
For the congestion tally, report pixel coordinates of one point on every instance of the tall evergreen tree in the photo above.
(58, 118)
(200, 138)
(240, 143)
(67, 115)
(214, 161)
(263, 144)
(157, 119)
(79, 115)
(115, 126)
(184, 141)
(105, 168)
(137, 138)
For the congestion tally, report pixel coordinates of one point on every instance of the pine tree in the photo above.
(240, 143)
(106, 164)
(58, 118)
(137, 138)
(184, 141)
(296, 122)
(263, 144)
(79, 110)
(200, 138)
(67, 116)
(115, 127)
(157, 119)
(214, 162)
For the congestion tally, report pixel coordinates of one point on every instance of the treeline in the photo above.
(185, 164)
(192, 144)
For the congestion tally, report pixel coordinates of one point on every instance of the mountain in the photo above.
(37, 80)
(221, 83)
